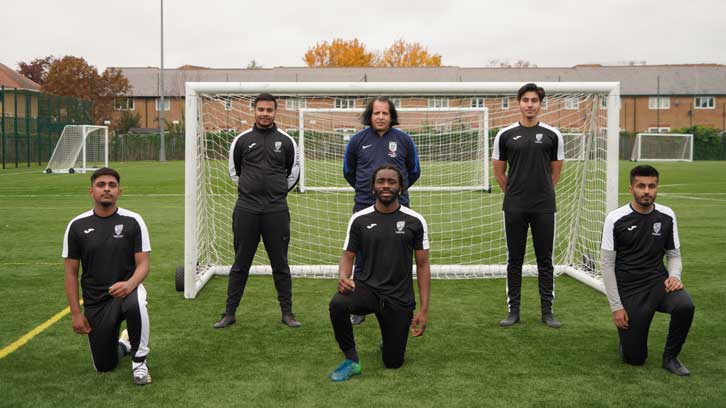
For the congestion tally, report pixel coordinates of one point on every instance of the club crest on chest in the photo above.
(392, 147)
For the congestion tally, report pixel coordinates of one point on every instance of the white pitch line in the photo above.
(694, 198)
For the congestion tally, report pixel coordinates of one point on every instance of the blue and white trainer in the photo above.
(345, 370)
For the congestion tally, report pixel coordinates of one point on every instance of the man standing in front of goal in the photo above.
(376, 145)
(263, 162)
(113, 246)
(534, 152)
(383, 237)
(634, 240)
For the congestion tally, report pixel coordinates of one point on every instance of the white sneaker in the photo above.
(123, 340)
(141, 373)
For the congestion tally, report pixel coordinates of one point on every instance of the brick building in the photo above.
(653, 97)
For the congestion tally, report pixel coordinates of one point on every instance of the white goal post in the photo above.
(453, 125)
(663, 147)
(79, 148)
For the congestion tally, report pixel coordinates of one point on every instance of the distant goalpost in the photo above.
(453, 126)
(79, 148)
(663, 147)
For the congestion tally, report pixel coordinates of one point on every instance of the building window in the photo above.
(477, 102)
(124, 104)
(571, 103)
(167, 104)
(438, 103)
(293, 104)
(344, 103)
(603, 102)
(544, 104)
(252, 104)
(704, 102)
(662, 102)
(227, 103)
(505, 102)
(659, 129)
(396, 102)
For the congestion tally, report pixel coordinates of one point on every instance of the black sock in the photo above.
(352, 354)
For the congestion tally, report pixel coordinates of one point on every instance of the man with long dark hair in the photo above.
(376, 145)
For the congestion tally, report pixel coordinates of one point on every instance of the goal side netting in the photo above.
(663, 147)
(79, 148)
(453, 126)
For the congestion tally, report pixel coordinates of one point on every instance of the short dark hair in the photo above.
(366, 115)
(531, 87)
(105, 171)
(388, 167)
(264, 97)
(643, 171)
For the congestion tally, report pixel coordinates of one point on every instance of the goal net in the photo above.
(662, 147)
(79, 148)
(453, 126)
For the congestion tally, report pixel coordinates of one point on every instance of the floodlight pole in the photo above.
(162, 150)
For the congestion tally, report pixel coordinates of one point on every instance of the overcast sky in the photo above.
(229, 34)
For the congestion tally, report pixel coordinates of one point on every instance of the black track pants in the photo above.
(641, 308)
(275, 231)
(393, 320)
(516, 225)
(105, 320)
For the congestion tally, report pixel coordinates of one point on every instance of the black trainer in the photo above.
(674, 365)
(511, 319)
(288, 319)
(225, 321)
(550, 321)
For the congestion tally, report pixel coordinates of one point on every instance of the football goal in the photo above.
(79, 148)
(663, 147)
(453, 126)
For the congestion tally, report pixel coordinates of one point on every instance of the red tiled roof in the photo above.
(12, 79)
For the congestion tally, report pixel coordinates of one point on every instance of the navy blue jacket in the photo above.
(366, 151)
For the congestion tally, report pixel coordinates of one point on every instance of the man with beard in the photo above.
(263, 162)
(113, 246)
(378, 144)
(384, 236)
(635, 238)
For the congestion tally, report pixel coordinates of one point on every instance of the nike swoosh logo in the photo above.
(371, 226)
(516, 137)
(366, 146)
(632, 227)
(252, 145)
(88, 231)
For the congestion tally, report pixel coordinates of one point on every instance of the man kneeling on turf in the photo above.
(113, 246)
(635, 238)
(385, 236)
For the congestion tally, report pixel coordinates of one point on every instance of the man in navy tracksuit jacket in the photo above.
(378, 144)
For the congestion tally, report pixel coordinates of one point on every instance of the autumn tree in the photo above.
(74, 77)
(404, 54)
(37, 69)
(497, 63)
(339, 53)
